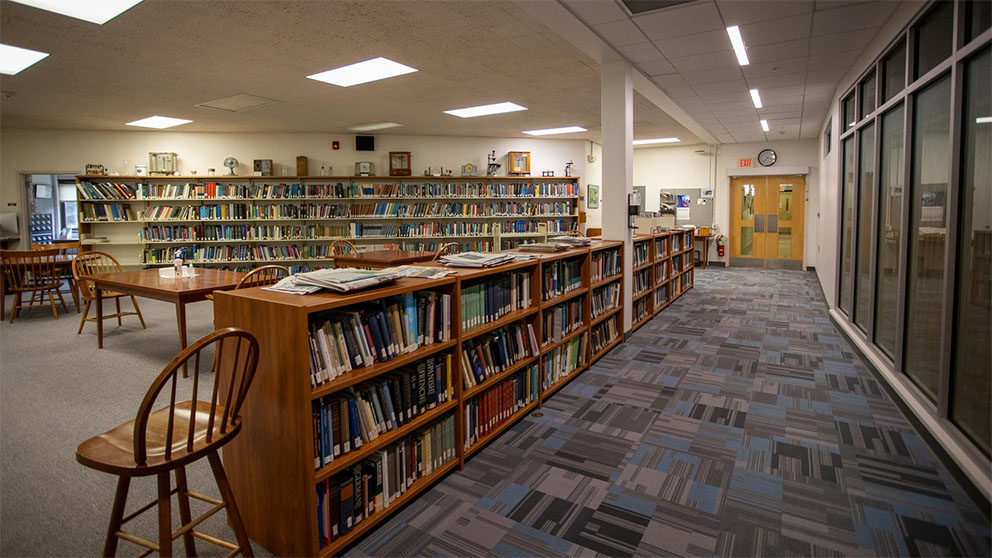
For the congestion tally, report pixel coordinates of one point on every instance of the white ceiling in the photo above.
(798, 50)
(163, 58)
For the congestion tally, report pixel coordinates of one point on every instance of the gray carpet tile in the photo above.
(738, 422)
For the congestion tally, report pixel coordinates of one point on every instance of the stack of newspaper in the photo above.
(476, 259)
(542, 247)
(341, 280)
(571, 241)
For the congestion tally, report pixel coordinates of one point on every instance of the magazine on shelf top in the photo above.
(340, 280)
(476, 259)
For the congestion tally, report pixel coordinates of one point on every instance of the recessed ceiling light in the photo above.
(14, 59)
(363, 72)
(158, 122)
(552, 131)
(485, 110)
(764, 125)
(983, 120)
(738, 42)
(756, 98)
(98, 12)
(656, 140)
(238, 103)
(375, 126)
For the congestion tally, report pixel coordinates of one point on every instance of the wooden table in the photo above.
(149, 284)
(704, 249)
(380, 259)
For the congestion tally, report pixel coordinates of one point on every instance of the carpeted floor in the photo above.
(738, 422)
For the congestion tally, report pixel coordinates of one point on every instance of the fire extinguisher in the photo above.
(721, 243)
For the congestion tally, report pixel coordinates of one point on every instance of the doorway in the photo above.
(767, 221)
(50, 212)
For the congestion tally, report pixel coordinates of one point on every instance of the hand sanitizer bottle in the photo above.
(178, 263)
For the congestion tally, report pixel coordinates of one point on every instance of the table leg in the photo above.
(181, 318)
(99, 315)
(3, 296)
(706, 253)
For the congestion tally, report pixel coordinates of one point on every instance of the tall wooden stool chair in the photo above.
(35, 272)
(93, 263)
(445, 249)
(168, 439)
(260, 277)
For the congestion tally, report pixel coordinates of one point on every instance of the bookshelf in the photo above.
(239, 222)
(665, 272)
(271, 464)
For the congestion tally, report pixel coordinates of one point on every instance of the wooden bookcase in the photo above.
(668, 280)
(300, 239)
(615, 280)
(270, 463)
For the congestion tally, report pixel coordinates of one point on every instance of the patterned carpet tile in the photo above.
(738, 422)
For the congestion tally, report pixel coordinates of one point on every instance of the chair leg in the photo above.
(164, 515)
(74, 291)
(117, 300)
(138, 310)
(233, 516)
(86, 312)
(116, 516)
(184, 514)
(16, 307)
(61, 300)
(51, 301)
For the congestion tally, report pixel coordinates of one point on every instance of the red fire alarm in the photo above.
(335, 145)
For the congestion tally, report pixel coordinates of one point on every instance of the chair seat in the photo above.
(106, 295)
(113, 451)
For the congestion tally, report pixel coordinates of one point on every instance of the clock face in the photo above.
(767, 157)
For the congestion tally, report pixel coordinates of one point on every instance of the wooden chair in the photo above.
(260, 277)
(70, 249)
(32, 271)
(448, 248)
(168, 439)
(93, 263)
(342, 247)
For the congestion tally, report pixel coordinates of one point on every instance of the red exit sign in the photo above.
(746, 163)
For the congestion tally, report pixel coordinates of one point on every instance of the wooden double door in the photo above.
(767, 220)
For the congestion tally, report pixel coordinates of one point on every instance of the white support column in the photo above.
(618, 165)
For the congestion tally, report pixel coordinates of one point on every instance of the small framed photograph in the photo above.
(399, 163)
(141, 170)
(519, 162)
(592, 200)
(43, 191)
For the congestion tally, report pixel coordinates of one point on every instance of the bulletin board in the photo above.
(700, 215)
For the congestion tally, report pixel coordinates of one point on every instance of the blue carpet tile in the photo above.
(738, 422)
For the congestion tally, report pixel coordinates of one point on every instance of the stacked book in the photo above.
(494, 297)
(561, 320)
(345, 421)
(338, 280)
(546, 247)
(341, 341)
(605, 263)
(605, 298)
(560, 277)
(495, 406)
(570, 241)
(364, 489)
(490, 354)
(604, 333)
(563, 360)
(476, 259)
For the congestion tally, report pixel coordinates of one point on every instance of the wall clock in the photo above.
(767, 157)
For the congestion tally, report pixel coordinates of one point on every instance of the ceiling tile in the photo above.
(860, 16)
(790, 92)
(839, 42)
(594, 13)
(710, 76)
(830, 76)
(640, 53)
(783, 111)
(673, 80)
(777, 30)
(735, 12)
(728, 96)
(709, 61)
(680, 92)
(749, 138)
(834, 4)
(768, 82)
(720, 87)
(681, 21)
(778, 51)
(620, 33)
(723, 108)
(780, 122)
(777, 68)
(656, 67)
(692, 103)
(697, 43)
(834, 60)
(738, 117)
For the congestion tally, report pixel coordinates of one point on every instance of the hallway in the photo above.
(738, 422)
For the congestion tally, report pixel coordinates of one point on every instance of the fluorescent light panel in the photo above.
(983, 120)
(363, 72)
(764, 125)
(374, 126)
(756, 98)
(738, 43)
(93, 11)
(14, 59)
(552, 131)
(655, 140)
(158, 122)
(485, 110)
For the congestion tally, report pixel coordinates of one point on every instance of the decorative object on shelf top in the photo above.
(399, 163)
(162, 162)
(302, 166)
(492, 166)
(262, 167)
(519, 162)
(364, 168)
(547, 173)
(568, 168)
(231, 163)
(95, 170)
(469, 169)
(141, 170)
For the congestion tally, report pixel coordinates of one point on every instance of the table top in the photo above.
(392, 257)
(205, 281)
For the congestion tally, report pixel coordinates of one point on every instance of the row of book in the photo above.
(605, 298)
(560, 320)
(560, 277)
(433, 245)
(107, 212)
(660, 296)
(493, 407)
(686, 280)
(300, 211)
(197, 212)
(105, 191)
(661, 247)
(224, 253)
(676, 242)
(641, 253)
(604, 263)
(311, 231)
(489, 354)
(341, 341)
(564, 359)
(345, 421)
(530, 226)
(604, 333)
(676, 263)
(640, 310)
(495, 296)
(661, 271)
(194, 191)
(641, 281)
(359, 492)
(467, 189)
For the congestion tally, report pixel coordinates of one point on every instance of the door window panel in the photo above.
(747, 202)
(747, 241)
(785, 202)
(785, 243)
(891, 177)
(866, 160)
(847, 226)
(928, 233)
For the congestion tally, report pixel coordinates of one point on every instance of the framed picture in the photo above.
(399, 163)
(43, 191)
(519, 162)
(592, 198)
